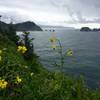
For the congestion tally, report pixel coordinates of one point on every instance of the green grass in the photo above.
(43, 84)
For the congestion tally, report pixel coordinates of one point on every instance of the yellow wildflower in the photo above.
(22, 49)
(3, 84)
(53, 40)
(19, 48)
(18, 80)
(70, 52)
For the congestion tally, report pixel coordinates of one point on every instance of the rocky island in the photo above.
(87, 29)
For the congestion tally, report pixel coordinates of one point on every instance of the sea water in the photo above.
(86, 48)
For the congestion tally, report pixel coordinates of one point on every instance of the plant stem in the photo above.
(61, 56)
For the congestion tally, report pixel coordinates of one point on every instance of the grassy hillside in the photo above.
(28, 80)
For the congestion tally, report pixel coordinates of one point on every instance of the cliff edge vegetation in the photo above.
(26, 79)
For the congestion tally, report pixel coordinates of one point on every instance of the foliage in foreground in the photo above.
(27, 80)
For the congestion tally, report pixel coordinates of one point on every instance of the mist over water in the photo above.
(86, 47)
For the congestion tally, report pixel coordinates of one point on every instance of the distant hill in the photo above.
(48, 26)
(27, 26)
(55, 28)
(24, 26)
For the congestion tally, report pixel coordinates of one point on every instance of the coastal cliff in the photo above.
(24, 26)
(27, 26)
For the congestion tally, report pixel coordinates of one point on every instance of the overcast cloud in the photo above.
(74, 13)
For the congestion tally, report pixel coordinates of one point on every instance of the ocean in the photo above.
(86, 56)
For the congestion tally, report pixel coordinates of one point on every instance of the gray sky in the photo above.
(74, 13)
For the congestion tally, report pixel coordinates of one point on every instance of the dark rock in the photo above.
(96, 29)
(85, 29)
